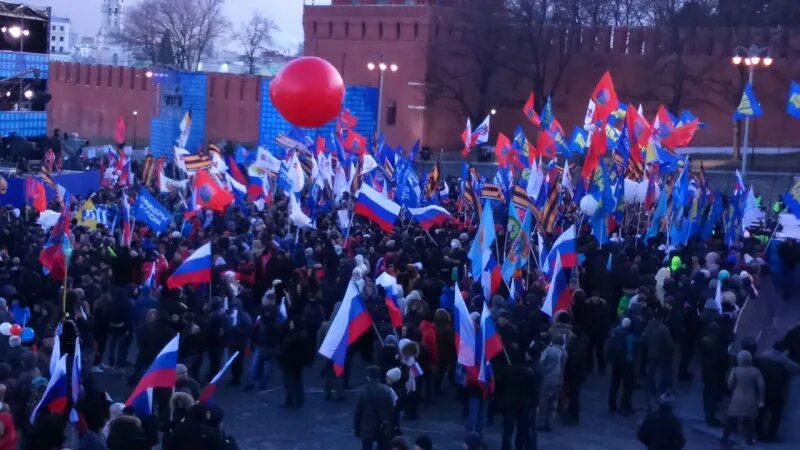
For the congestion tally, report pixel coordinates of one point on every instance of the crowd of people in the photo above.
(645, 316)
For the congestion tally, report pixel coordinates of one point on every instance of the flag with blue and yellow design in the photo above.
(748, 106)
(793, 104)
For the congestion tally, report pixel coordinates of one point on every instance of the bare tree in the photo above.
(142, 33)
(256, 36)
(192, 26)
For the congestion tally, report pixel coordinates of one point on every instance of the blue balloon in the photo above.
(27, 335)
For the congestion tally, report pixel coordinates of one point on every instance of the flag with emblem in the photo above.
(793, 104)
(605, 97)
(748, 106)
(530, 111)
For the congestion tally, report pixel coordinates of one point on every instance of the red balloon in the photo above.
(16, 330)
(308, 92)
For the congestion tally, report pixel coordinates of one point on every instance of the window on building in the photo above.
(398, 31)
(416, 30)
(380, 30)
(52, 49)
(315, 28)
(391, 112)
(330, 28)
(54, 28)
(62, 27)
(60, 49)
(53, 38)
(347, 29)
(61, 38)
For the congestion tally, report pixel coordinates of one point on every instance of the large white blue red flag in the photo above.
(351, 321)
(465, 331)
(54, 398)
(160, 374)
(376, 207)
(195, 270)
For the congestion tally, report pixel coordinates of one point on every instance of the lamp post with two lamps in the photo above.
(135, 121)
(381, 67)
(751, 58)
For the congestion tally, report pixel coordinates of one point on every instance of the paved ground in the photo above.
(259, 423)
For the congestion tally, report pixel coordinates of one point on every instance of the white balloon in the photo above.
(589, 204)
(5, 329)
(631, 187)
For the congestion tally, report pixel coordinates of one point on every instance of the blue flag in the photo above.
(793, 104)
(792, 199)
(579, 141)
(150, 211)
(748, 106)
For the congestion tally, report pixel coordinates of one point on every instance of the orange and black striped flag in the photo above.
(493, 192)
(549, 212)
(357, 175)
(432, 183)
(520, 198)
(47, 177)
(197, 162)
(148, 166)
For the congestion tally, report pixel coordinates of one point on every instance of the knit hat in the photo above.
(390, 340)
(724, 275)
(626, 322)
(393, 375)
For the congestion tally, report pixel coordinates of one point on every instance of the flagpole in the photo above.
(64, 294)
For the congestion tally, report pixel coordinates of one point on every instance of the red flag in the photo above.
(356, 143)
(597, 148)
(320, 145)
(502, 150)
(35, 194)
(466, 138)
(210, 194)
(662, 124)
(639, 130)
(605, 97)
(119, 132)
(546, 145)
(530, 112)
(681, 136)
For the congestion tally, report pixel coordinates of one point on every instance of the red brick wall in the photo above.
(638, 59)
(233, 107)
(89, 99)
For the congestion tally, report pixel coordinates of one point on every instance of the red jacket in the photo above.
(8, 441)
(429, 341)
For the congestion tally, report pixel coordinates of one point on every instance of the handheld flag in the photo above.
(119, 131)
(530, 112)
(792, 199)
(465, 331)
(377, 208)
(481, 134)
(430, 216)
(54, 398)
(186, 128)
(208, 391)
(57, 250)
(559, 297)
(351, 321)
(793, 104)
(482, 242)
(210, 195)
(195, 270)
(605, 97)
(466, 138)
(492, 346)
(160, 374)
(748, 106)
(75, 381)
(564, 250)
(395, 315)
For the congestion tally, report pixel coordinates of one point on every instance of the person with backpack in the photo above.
(621, 355)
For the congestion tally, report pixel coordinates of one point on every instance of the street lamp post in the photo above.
(750, 57)
(381, 68)
(135, 121)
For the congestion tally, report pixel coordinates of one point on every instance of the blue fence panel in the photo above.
(362, 101)
(15, 63)
(180, 92)
(24, 123)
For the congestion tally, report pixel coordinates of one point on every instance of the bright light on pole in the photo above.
(382, 67)
(750, 58)
(29, 94)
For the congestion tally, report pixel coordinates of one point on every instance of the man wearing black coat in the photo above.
(373, 419)
(518, 381)
(715, 361)
(661, 430)
(296, 352)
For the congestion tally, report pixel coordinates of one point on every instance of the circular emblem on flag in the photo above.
(603, 96)
(205, 193)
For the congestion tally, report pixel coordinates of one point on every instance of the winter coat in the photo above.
(658, 341)
(599, 318)
(747, 388)
(429, 342)
(296, 350)
(126, 433)
(91, 440)
(193, 433)
(445, 340)
(518, 384)
(374, 413)
(551, 364)
(661, 430)
(8, 440)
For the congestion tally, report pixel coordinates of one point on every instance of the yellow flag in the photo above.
(88, 215)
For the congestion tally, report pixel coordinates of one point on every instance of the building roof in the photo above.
(20, 11)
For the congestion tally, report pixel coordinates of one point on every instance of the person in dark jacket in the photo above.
(126, 433)
(715, 361)
(621, 354)
(194, 432)
(597, 328)
(516, 401)
(658, 342)
(240, 328)
(266, 339)
(373, 418)
(661, 430)
(574, 375)
(295, 353)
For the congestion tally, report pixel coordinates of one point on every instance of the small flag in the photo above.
(793, 104)
(208, 391)
(748, 106)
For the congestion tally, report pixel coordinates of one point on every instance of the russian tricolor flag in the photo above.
(195, 270)
(559, 297)
(54, 398)
(430, 216)
(350, 323)
(566, 247)
(492, 346)
(491, 277)
(160, 374)
(465, 331)
(395, 315)
(377, 208)
(208, 391)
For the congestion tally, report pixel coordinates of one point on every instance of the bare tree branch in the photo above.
(256, 36)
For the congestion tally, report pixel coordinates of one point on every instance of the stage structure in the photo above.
(24, 62)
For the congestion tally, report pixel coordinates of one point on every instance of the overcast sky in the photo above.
(288, 14)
